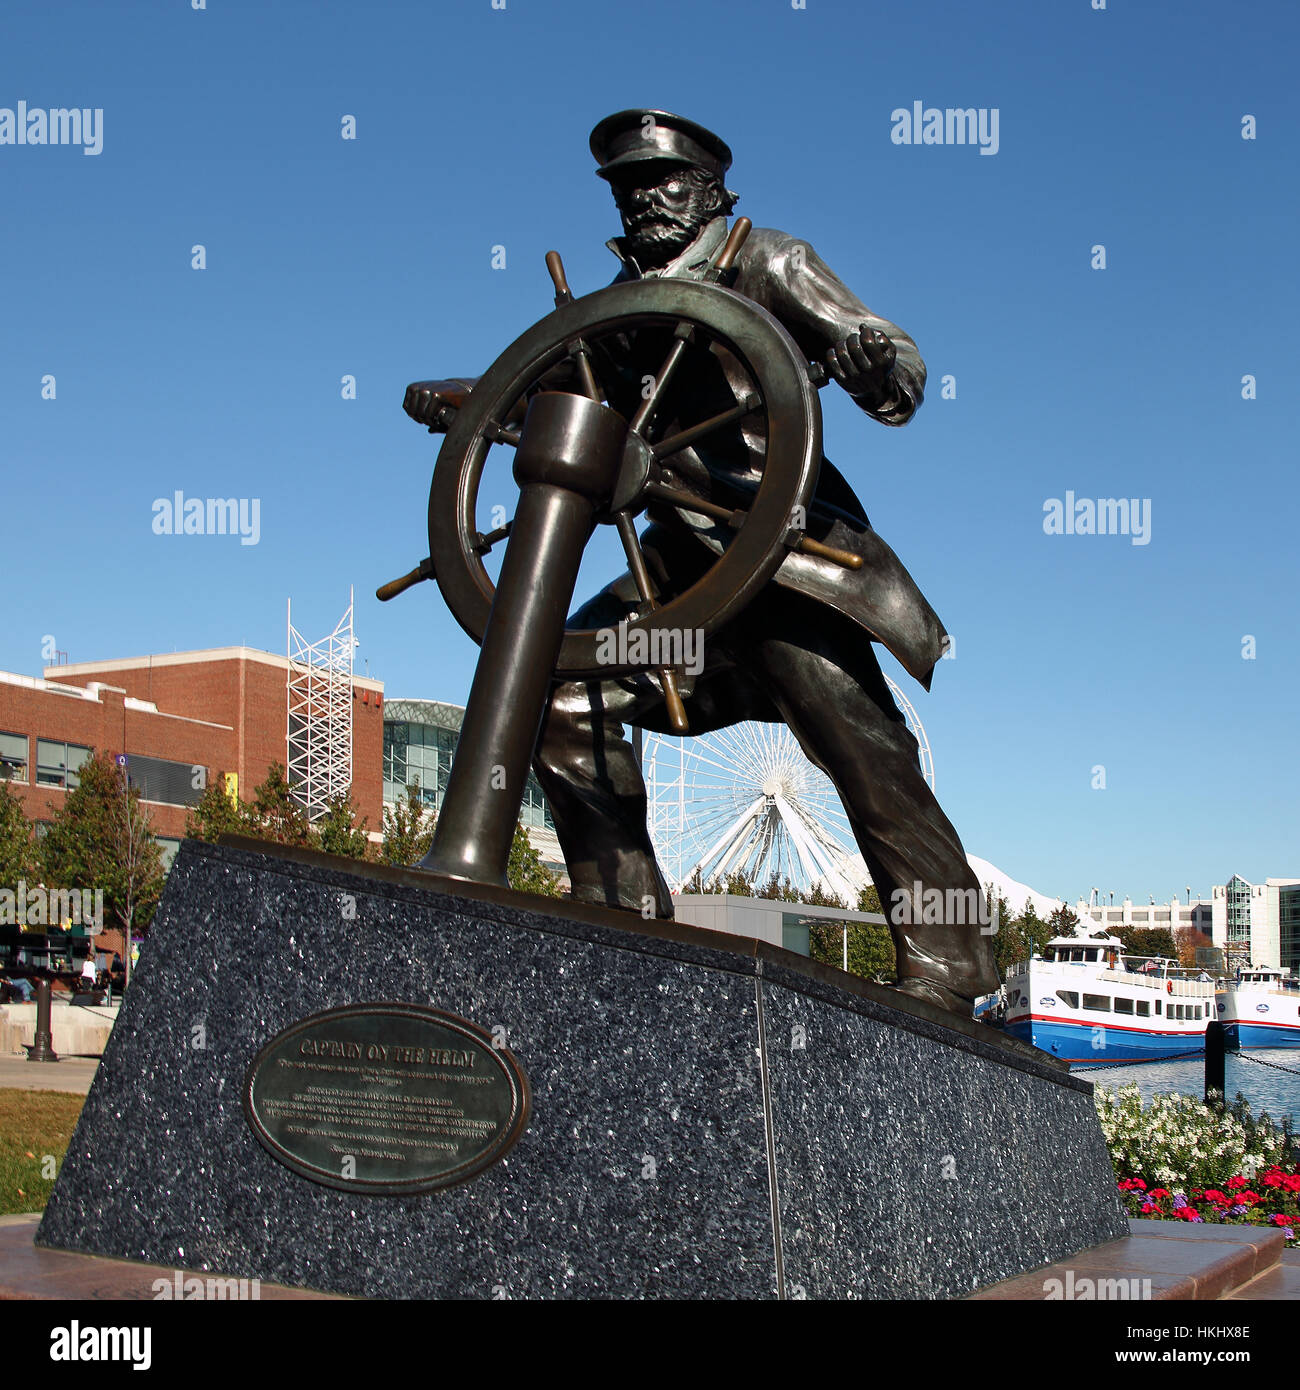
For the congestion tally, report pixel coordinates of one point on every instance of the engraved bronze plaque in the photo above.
(386, 1098)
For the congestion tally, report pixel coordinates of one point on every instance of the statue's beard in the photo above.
(662, 237)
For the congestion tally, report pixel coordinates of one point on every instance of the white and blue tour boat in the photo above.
(1260, 1007)
(1084, 1000)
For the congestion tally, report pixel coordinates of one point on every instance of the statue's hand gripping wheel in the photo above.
(580, 462)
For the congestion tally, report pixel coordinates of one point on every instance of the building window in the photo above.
(795, 934)
(13, 757)
(169, 848)
(57, 764)
(415, 752)
(157, 779)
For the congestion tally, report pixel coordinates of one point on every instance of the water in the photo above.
(1277, 1092)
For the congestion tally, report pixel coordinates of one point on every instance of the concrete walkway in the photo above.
(68, 1074)
(29, 1272)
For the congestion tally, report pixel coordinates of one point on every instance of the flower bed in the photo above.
(1180, 1159)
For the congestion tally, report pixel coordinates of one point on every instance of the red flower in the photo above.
(1158, 1192)
(1237, 1182)
(1212, 1194)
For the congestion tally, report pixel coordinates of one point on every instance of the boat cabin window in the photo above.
(1144, 1008)
(1100, 1003)
(1068, 996)
(1076, 955)
(1160, 1003)
(1123, 1006)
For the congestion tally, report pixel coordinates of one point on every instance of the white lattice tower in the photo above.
(319, 733)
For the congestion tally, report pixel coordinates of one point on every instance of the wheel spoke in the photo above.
(635, 559)
(498, 434)
(683, 334)
(484, 543)
(581, 355)
(846, 559)
(664, 493)
(684, 439)
(641, 574)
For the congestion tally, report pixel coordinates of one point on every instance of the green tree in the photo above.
(871, 948)
(739, 883)
(337, 831)
(779, 890)
(1189, 939)
(817, 896)
(275, 815)
(1036, 932)
(101, 837)
(1064, 921)
(216, 814)
(1010, 945)
(869, 899)
(408, 829)
(525, 871)
(17, 847)
(1147, 941)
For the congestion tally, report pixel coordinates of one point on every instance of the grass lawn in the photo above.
(35, 1128)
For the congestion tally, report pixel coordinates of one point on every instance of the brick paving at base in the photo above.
(1183, 1263)
(1241, 1263)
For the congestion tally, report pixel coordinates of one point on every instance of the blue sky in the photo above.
(373, 257)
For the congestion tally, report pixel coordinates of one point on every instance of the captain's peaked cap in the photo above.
(642, 135)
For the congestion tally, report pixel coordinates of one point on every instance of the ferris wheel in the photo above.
(747, 799)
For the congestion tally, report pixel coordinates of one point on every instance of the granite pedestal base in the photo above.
(710, 1117)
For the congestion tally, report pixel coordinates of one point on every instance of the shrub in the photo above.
(1180, 1159)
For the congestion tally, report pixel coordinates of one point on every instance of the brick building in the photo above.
(222, 711)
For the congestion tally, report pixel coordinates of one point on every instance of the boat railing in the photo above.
(1163, 981)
